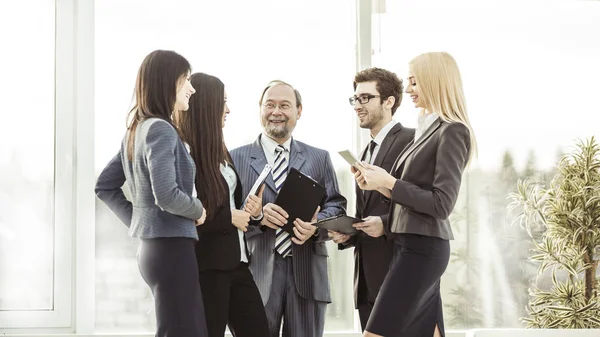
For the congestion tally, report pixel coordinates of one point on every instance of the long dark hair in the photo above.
(202, 128)
(156, 90)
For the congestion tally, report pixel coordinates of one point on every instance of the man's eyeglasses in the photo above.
(270, 106)
(363, 99)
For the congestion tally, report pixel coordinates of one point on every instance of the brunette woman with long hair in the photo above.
(231, 296)
(161, 211)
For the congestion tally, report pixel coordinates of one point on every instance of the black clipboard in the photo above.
(339, 223)
(299, 196)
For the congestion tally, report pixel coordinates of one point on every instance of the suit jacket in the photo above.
(372, 256)
(309, 259)
(161, 180)
(429, 175)
(218, 245)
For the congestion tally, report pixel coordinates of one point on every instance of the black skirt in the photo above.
(168, 265)
(409, 302)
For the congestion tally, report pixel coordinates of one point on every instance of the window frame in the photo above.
(73, 196)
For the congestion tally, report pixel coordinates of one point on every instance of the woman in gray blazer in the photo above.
(422, 189)
(161, 211)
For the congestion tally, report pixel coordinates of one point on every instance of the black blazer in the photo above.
(429, 176)
(372, 256)
(218, 246)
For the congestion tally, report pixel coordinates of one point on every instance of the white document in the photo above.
(259, 182)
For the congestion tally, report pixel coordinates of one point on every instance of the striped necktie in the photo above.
(283, 240)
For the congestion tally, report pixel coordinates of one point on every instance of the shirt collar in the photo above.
(384, 131)
(427, 120)
(269, 144)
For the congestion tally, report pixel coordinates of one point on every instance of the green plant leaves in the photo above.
(563, 220)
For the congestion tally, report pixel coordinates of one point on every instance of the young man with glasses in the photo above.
(290, 270)
(377, 95)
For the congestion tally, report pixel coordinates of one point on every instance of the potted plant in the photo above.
(563, 220)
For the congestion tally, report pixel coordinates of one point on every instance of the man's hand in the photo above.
(304, 230)
(372, 225)
(274, 216)
(338, 237)
(240, 219)
(201, 220)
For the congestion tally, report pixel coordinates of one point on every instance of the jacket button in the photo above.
(225, 232)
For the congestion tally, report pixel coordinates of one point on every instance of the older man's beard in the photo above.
(278, 132)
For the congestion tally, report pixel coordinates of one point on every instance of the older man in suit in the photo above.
(377, 95)
(290, 270)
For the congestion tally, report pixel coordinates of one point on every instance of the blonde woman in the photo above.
(422, 189)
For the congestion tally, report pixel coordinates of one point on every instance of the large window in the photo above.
(530, 71)
(36, 170)
(309, 44)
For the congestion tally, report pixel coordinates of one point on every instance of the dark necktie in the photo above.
(369, 153)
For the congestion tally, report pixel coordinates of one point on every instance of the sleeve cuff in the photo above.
(259, 217)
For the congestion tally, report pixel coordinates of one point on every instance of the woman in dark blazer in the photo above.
(422, 189)
(230, 293)
(161, 211)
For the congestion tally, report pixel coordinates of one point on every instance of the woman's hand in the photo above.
(202, 218)
(372, 177)
(240, 219)
(254, 204)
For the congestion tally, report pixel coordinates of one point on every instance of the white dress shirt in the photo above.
(269, 146)
(424, 122)
(231, 178)
(379, 139)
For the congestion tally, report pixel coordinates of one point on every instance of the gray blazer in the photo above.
(161, 180)
(429, 175)
(309, 259)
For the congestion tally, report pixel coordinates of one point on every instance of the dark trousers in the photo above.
(231, 297)
(364, 311)
(366, 298)
(168, 265)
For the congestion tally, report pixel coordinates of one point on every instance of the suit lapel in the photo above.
(386, 144)
(412, 147)
(296, 155)
(258, 162)
(239, 200)
(362, 194)
(384, 148)
(363, 153)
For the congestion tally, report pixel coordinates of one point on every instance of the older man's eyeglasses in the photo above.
(270, 106)
(362, 99)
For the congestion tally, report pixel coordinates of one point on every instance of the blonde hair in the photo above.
(441, 88)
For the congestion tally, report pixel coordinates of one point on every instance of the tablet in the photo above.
(339, 223)
(350, 158)
(299, 196)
